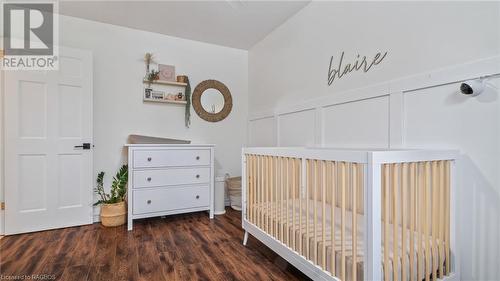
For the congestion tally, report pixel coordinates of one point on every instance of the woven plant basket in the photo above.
(234, 190)
(113, 214)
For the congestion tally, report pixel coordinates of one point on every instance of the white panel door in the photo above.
(48, 181)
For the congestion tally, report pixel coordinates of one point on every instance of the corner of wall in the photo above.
(2, 212)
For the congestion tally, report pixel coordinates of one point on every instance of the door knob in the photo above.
(84, 145)
(197, 157)
(149, 201)
(197, 196)
(197, 176)
(149, 179)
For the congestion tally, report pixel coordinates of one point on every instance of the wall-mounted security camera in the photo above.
(472, 88)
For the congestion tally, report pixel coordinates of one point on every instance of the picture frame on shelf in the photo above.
(147, 93)
(157, 95)
(167, 72)
(150, 94)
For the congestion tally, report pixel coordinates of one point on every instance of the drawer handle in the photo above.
(197, 157)
(149, 159)
(197, 176)
(197, 196)
(149, 179)
(149, 201)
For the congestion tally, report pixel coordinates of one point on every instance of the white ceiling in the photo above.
(237, 24)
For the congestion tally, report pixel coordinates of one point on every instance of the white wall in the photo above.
(118, 107)
(288, 81)
(117, 83)
(291, 63)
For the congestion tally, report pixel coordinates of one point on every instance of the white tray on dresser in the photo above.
(167, 179)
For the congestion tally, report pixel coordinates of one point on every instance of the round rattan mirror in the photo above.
(212, 100)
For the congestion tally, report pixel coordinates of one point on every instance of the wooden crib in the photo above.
(354, 214)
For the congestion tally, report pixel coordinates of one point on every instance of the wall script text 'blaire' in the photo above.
(360, 63)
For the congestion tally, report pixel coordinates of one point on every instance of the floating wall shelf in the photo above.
(165, 101)
(170, 83)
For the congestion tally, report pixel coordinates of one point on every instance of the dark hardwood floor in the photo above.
(182, 247)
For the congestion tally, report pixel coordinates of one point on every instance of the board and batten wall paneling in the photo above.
(427, 111)
(363, 123)
(297, 128)
(441, 117)
(289, 66)
(262, 132)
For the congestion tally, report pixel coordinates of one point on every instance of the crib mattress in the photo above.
(313, 244)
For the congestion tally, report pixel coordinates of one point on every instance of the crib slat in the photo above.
(447, 217)
(261, 191)
(441, 217)
(255, 184)
(294, 183)
(252, 188)
(343, 221)
(333, 185)
(426, 222)
(395, 223)
(323, 209)
(413, 203)
(421, 216)
(354, 188)
(264, 192)
(277, 195)
(278, 201)
(404, 188)
(280, 213)
(298, 198)
(385, 198)
(435, 199)
(267, 193)
(301, 193)
(287, 196)
(315, 217)
(273, 196)
(284, 210)
(307, 207)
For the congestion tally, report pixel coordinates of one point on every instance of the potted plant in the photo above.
(113, 207)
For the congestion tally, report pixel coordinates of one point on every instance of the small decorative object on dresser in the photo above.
(169, 178)
(113, 208)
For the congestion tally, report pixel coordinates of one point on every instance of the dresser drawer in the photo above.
(171, 158)
(175, 176)
(172, 198)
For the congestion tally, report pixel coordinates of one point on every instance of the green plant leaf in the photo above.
(118, 187)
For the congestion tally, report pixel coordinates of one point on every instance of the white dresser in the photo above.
(166, 179)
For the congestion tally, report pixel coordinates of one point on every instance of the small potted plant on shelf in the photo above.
(113, 207)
